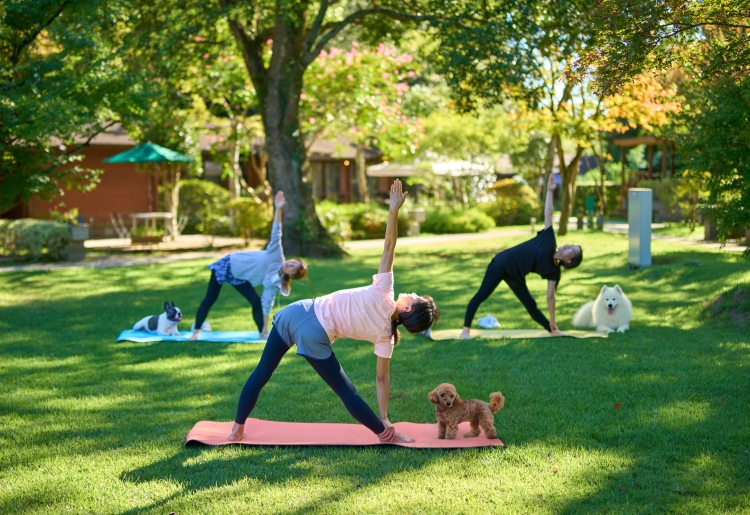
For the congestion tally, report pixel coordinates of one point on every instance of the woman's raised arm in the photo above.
(391, 230)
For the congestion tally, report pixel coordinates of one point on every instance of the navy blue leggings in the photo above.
(329, 369)
(245, 289)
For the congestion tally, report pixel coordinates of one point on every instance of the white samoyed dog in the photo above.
(611, 311)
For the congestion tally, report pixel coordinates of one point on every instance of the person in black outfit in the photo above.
(539, 255)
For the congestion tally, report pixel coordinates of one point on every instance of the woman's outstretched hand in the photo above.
(279, 200)
(551, 185)
(397, 195)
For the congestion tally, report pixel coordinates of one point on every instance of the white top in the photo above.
(262, 267)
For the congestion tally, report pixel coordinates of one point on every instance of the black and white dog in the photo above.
(164, 324)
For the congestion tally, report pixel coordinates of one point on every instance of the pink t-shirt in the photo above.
(360, 313)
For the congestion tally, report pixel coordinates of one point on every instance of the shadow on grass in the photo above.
(683, 392)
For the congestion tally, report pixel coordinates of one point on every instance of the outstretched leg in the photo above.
(211, 295)
(272, 353)
(332, 373)
(247, 291)
(492, 278)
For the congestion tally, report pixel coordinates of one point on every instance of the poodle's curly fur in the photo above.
(450, 411)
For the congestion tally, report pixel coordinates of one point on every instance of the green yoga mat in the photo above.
(454, 334)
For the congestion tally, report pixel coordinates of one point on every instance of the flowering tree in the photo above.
(359, 94)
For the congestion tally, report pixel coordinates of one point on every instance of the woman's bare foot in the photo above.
(238, 432)
(466, 334)
(391, 436)
(196, 334)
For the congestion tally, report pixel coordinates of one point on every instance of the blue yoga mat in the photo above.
(206, 336)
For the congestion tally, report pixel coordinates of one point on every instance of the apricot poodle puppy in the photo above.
(450, 411)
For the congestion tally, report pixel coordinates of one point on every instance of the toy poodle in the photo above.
(450, 411)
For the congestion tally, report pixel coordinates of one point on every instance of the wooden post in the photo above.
(650, 162)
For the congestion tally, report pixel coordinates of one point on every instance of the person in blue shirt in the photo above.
(248, 270)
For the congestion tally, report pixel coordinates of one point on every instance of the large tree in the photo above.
(522, 51)
(708, 44)
(60, 88)
(708, 38)
(279, 42)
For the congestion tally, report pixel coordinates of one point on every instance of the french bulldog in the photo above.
(164, 324)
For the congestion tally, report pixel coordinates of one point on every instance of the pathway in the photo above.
(200, 241)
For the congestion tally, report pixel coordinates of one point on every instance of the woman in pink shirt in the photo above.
(368, 313)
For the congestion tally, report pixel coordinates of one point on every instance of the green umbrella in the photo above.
(149, 153)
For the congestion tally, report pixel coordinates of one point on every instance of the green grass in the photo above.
(88, 425)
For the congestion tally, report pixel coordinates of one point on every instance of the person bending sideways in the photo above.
(539, 255)
(248, 270)
(368, 313)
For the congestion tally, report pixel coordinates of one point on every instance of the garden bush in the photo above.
(205, 205)
(612, 193)
(252, 217)
(28, 237)
(515, 203)
(357, 221)
(442, 219)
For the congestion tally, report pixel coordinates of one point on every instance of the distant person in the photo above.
(539, 255)
(368, 313)
(248, 270)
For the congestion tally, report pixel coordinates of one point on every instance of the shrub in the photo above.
(357, 221)
(442, 219)
(252, 216)
(515, 203)
(205, 205)
(28, 237)
(612, 193)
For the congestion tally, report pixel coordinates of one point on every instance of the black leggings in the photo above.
(496, 273)
(245, 289)
(329, 369)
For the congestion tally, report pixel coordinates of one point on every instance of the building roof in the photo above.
(340, 148)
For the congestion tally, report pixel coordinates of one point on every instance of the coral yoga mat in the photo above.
(266, 432)
(454, 334)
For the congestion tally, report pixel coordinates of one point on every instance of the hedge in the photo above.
(28, 237)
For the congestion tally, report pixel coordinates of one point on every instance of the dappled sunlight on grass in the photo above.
(651, 420)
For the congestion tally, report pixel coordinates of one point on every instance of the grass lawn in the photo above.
(88, 425)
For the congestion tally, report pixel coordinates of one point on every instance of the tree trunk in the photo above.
(569, 173)
(287, 159)
(278, 87)
(364, 193)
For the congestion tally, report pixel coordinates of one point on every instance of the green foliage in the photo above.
(515, 203)
(30, 238)
(69, 217)
(61, 85)
(146, 231)
(358, 94)
(629, 38)
(612, 193)
(205, 205)
(357, 221)
(442, 219)
(714, 143)
(253, 217)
